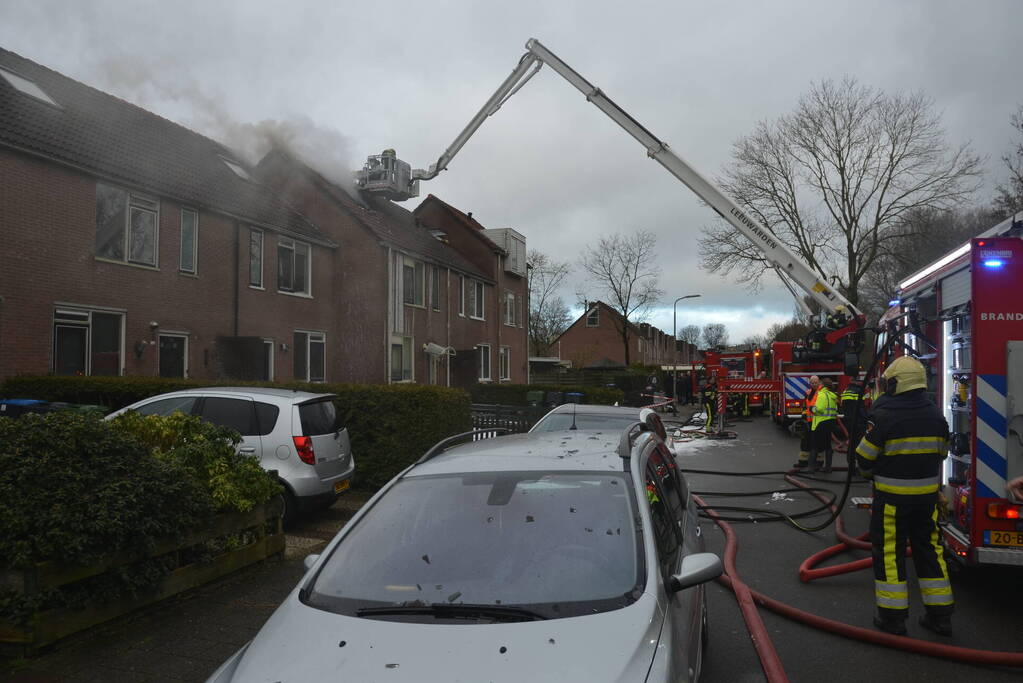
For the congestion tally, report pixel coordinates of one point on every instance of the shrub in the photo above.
(516, 394)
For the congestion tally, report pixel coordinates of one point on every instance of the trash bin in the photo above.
(555, 398)
(16, 407)
(573, 397)
(534, 398)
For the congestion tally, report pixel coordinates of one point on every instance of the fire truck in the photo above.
(841, 343)
(745, 369)
(962, 316)
(788, 400)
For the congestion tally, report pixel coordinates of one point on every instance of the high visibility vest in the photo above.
(825, 407)
(811, 398)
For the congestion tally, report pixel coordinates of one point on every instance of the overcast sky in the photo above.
(348, 79)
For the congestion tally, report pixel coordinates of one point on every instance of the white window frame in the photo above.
(504, 363)
(311, 337)
(435, 287)
(141, 202)
(477, 300)
(253, 232)
(483, 353)
(27, 86)
(195, 243)
(509, 308)
(461, 295)
(294, 246)
(408, 374)
(418, 282)
(80, 317)
(595, 313)
(267, 342)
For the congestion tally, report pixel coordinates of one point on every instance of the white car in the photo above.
(296, 433)
(561, 556)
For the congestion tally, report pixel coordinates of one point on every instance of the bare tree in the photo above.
(834, 179)
(690, 334)
(548, 314)
(622, 269)
(756, 341)
(1009, 199)
(714, 335)
(788, 331)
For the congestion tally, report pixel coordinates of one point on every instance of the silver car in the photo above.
(297, 433)
(571, 416)
(561, 556)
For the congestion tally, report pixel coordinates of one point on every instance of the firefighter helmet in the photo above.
(905, 374)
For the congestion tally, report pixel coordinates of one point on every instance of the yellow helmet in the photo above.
(905, 374)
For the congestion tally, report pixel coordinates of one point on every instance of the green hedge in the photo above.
(515, 394)
(390, 426)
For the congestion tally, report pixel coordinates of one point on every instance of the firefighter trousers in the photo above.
(891, 525)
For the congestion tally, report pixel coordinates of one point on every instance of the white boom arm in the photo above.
(779, 255)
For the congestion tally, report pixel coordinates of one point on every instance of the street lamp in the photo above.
(674, 341)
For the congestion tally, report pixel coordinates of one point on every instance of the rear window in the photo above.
(319, 417)
(559, 422)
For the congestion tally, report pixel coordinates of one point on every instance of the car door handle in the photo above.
(247, 449)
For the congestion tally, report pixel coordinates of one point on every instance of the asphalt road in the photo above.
(989, 602)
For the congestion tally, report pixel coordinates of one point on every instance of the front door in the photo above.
(172, 355)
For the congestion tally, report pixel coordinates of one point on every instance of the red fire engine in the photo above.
(788, 401)
(962, 316)
(744, 375)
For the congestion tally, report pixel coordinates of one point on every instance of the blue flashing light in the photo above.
(894, 302)
(994, 263)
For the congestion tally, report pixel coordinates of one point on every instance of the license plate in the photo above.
(342, 485)
(1012, 538)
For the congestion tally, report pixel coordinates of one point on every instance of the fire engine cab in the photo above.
(962, 316)
(743, 375)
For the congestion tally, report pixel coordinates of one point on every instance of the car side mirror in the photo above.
(309, 561)
(696, 569)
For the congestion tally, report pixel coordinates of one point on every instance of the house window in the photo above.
(309, 351)
(126, 226)
(86, 342)
(238, 169)
(504, 363)
(476, 300)
(413, 274)
(435, 288)
(189, 240)
(26, 86)
(255, 258)
(484, 362)
(461, 295)
(293, 268)
(593, 317)
(509, 308)
(401, 359)
(267, 374)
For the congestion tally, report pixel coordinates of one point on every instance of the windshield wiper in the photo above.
(460, 610)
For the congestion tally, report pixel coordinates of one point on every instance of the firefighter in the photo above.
(902, 451)
(851, 409)
(709, 398)
(804, 437)
(822, 426)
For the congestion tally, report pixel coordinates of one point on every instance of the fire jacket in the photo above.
(825, 407)
(905, 443)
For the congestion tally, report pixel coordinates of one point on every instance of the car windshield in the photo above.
(559, 422)
(555, 544)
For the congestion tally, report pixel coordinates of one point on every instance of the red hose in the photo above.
(769, 659)
(765, 649)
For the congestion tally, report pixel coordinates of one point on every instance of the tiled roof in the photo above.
(475, 227)
(119, 141)
(391, 223)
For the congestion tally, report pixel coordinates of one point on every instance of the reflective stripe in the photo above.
(940, 556)
(916, 444)
(891, 569)
(891, 603)
(907, 487)
(867, 450)
(934, 584)
(897, 588)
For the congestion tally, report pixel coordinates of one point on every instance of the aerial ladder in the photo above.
(388, 176)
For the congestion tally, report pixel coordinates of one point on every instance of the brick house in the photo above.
(133, 245)
(595, 339)
(424, 293)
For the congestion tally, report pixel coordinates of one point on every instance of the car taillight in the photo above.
(304, 446)
(1003, 511)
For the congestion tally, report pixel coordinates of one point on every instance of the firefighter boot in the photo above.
(893, 625)
(827, 462)
(939, 623)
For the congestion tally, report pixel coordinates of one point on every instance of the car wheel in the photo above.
(290, 506)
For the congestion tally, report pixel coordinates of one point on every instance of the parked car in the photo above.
(551, 556)
(571, 416)
(297, 433)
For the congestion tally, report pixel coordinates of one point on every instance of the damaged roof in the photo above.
(466, 219)
(118, 141)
